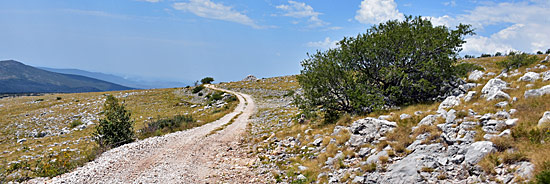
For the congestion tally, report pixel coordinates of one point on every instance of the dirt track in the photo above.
(190, 156)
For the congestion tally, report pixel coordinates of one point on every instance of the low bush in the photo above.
(75, 123)
(463, 69)
(198, 89)
(543, 177)
(168, 125)
(516, 60)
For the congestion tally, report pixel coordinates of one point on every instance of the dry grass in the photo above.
(57, 111)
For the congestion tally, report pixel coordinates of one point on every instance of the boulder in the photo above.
(469, 96)
(407, 169)
(497, 94)
(404, 116)
(317, 142)
(477, 151)
(428, 120)
(449, 102)
(451, 116)
(493, 90)
(502, 104)
(545, 120)
(358, 179)
(525, 169)
(545, 75)
(364, 151)
(376, 157)
(546, 59)
(529, 77)
(475, 75)
(511, 122)
(371, 128)
(492, 84)
(537, 92)
(356, 140)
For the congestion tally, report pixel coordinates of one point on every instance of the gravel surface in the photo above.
(190, 156)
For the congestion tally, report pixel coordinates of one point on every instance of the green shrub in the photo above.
(198, 89)
(166, 125)
(485, 55)
(116, 128)
(216, 96)
(207, 80)
(516, 60)
(386, 66)
(75, 123)
(463, 69)
(543, 177)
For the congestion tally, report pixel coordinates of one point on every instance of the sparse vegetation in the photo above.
(516, 60)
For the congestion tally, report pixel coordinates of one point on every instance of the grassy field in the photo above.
(32, 128)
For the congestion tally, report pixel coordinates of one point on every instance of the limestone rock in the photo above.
(493, 90)
(475, 75)
(469, 96)
(545, 75)
(404, 116)
(537, 92)
(529, 77)
(428, 120)
(477, 151)
(545, 120)
(449, 102)
(371, 128)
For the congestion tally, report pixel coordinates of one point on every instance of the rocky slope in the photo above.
(493, 130)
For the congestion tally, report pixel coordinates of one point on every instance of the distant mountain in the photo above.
(16, 77)
(134, 83)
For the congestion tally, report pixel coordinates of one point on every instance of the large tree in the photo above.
(393, 63)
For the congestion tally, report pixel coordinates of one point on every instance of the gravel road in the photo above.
(190, 156)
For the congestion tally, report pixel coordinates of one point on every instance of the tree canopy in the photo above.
(393, 63)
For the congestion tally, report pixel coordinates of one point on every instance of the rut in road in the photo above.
(182, 157)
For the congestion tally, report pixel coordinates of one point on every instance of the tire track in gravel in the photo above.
(181, 157)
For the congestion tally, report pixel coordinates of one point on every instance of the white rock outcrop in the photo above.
(475, 75)
(530, 77)
(545, 120)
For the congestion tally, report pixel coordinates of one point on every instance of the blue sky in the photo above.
(185, 40)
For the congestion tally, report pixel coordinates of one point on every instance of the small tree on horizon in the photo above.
(207, 80)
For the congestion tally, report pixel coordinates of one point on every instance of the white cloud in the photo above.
(450, 3)
(377, 11)
(218, 11)
(323, 44)
(302, 10)
(527, 31)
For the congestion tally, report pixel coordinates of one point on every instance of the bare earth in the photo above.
(190, 156)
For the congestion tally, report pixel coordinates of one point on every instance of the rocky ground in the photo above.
(464, 139)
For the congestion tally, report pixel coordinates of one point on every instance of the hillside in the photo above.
(494, 132)
(138, 84)
(16, 77)
(49, 135)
